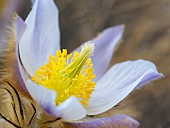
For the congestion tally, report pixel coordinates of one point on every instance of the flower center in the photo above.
(68, 74)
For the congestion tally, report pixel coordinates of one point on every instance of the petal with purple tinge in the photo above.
(41, 95)
(20, 28)
(118, 82)
(104, 48)
(42, 36)
(71, 109)
(118, 121)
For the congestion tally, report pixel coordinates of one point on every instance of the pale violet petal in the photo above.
(117, 121)
(118, 82)
(104, 48)
(41, 95)
(20, 28)
(71, 109)
(41, 38)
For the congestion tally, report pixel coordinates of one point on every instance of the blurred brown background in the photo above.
(147, 36)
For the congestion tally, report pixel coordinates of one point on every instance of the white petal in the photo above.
(71, 109)
(20, 28)
(41, 95)
(104, 48)
(41, 37)
(118, 82)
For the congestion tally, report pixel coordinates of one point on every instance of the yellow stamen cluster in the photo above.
(69, 75)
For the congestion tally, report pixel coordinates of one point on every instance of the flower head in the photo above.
(63, 84)
(68, 75)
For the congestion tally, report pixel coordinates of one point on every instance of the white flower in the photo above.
(39, 37)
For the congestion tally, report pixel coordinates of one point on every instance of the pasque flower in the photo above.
(74, 85)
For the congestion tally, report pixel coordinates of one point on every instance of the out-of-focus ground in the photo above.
(146, 36)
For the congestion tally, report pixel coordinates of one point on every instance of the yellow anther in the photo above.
(64, 51)
(58, 54)
(68, 74)
(88, 62)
